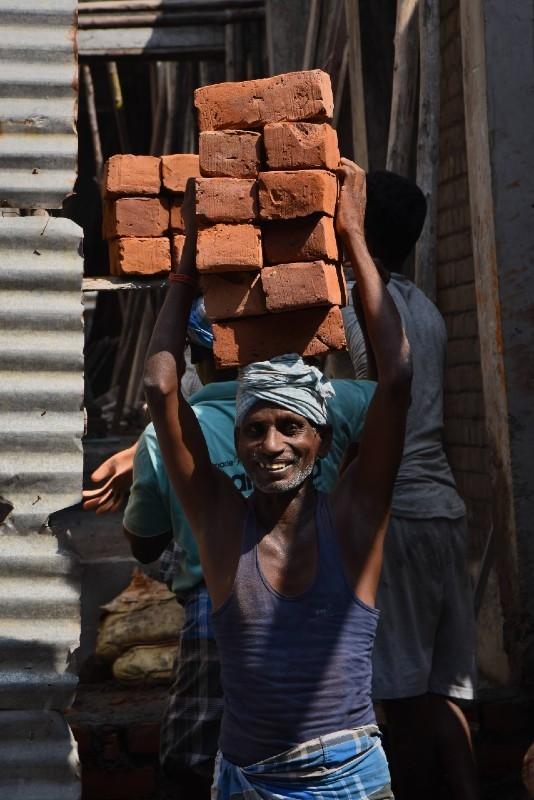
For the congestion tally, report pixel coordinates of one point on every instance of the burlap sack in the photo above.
(145, 613)
(146, 665)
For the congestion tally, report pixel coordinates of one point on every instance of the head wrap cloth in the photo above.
(285, 381)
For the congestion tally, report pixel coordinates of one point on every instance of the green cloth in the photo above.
(153, 507)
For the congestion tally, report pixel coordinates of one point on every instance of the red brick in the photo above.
(143, 739)
(310, 331)
(229, 248)
(177, 224)
(136, 216)
(299, 193)
(177, 246)
(142, 257)
(233, 294)
(300, 145)
(132, 175)
(289, 97)
(136, 783)
(230, 154)
(177, 169)
(301, 285)
(309, 239)
(226, 199)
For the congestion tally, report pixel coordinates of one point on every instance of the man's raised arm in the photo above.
(180, 437)
(367, 485)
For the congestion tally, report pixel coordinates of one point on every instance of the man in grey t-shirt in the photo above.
(424, 652)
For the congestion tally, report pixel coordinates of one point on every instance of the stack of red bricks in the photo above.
(142, 219)
(266, 247)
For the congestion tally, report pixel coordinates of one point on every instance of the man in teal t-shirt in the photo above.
(153, 516)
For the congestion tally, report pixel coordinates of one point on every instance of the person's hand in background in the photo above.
(116, 475)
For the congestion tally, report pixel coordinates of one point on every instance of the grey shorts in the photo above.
(426, 634)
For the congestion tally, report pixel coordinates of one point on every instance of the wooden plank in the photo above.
(111, 283)
(159, 20)
(405, 68)
(132, 6)
(489, 317)
(428, 142)
(184, 42)
(357, 96)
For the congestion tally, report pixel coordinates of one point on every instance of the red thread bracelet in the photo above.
(180, 277)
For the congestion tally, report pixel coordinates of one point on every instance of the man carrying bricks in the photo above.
(292, 573)
(190, 726)
(423, 662)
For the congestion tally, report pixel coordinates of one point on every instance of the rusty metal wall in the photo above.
(38, 95)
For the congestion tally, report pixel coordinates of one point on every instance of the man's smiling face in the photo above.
(279, 448)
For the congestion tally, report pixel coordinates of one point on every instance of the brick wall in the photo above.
(465, 436)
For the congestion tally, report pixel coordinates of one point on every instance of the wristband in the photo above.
(181, 277)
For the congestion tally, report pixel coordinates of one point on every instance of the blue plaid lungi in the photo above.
(346, 765)
(191, 722)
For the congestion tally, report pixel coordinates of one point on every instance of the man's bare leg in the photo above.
(454, 747)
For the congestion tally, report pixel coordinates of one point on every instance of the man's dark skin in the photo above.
(277, 447)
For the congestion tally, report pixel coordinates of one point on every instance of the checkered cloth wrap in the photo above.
(168, 562)
(346, 765)
(190, 726)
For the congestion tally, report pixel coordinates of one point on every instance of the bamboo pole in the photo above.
(403, 96)
(357, 97)
(428, 143)
(87, 79)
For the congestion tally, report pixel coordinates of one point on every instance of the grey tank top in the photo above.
(292, 668)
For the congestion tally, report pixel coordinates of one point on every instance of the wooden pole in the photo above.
(171, 76)
(338, 96)
(357, 97)
(402, 117)
(229, 52)
(158, 120)
(310, 45)
(428, 143)
(118, 106)
(87, 79)
(486, 271)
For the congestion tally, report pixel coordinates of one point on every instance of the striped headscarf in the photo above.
(288, 382)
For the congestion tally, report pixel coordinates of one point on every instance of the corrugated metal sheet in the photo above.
(37, 744)
(41, 425)
(41, 367)
(38, 94)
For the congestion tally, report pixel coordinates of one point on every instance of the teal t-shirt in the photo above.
(153, 507)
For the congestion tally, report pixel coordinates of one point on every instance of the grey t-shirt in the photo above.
(425, 486)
